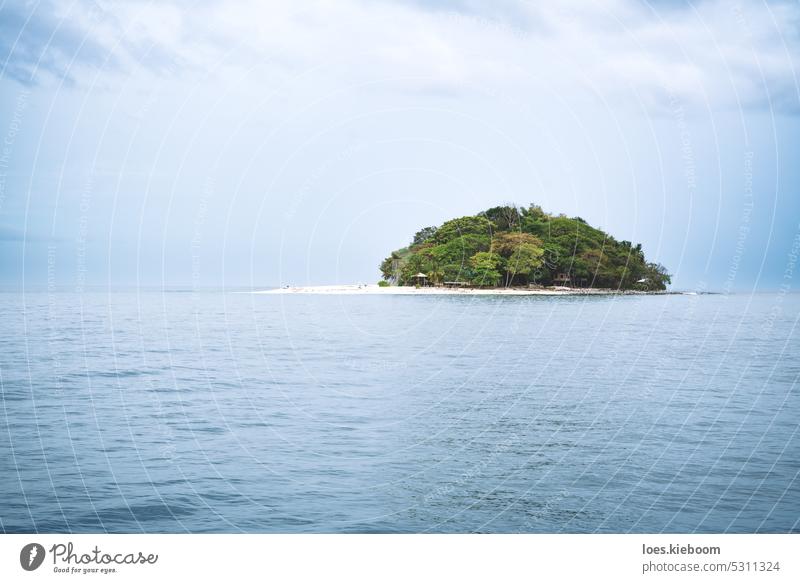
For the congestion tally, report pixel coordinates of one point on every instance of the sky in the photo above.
(244, 143)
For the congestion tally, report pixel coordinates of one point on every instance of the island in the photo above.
(515, 248)
(509, 250)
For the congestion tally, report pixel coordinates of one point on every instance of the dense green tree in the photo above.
(525, 259)
(463, 226)
(413, 264)
(505, 218)
(423, 235)
(390, 268)
(459, 249)
(522, 252)
(656, 277)
(517, 246)
(486, 268)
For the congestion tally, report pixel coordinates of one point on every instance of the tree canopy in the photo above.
(512, 246)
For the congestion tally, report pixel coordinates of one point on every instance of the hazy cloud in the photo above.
(722, 53)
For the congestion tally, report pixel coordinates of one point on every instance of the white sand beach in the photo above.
(373, 289)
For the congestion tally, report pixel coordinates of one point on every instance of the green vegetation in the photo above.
(511, 246)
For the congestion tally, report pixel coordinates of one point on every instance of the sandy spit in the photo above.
(372, 289)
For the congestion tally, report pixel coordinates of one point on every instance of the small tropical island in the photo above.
(509, 250)
(513, 248)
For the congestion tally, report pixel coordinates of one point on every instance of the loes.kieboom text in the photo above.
(678, 549)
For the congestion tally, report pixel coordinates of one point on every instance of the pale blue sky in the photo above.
(246, 143)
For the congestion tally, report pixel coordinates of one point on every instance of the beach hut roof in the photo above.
(420, 275)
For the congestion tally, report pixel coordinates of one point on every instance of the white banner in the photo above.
(373, 558)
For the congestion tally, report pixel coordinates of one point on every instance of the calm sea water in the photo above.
(225, 412)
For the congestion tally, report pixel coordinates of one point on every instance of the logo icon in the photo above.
(31, 556)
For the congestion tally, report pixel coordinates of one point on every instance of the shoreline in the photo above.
(373, 289)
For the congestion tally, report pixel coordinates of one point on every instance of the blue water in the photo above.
(225, 412)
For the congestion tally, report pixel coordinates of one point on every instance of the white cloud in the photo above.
(715, 53)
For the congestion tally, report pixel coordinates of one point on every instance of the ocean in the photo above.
(214, 411)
